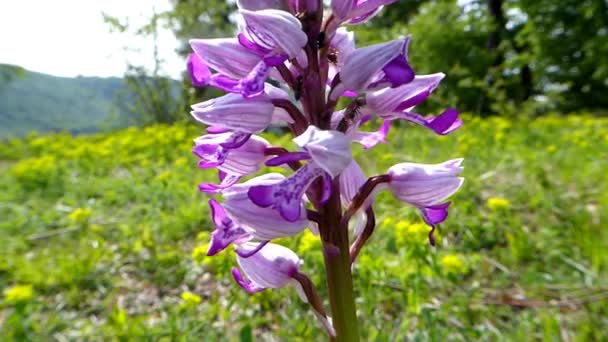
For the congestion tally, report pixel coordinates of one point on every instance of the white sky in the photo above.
(69, 37)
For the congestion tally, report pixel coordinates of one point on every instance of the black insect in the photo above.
(321, 40)
(297, 89)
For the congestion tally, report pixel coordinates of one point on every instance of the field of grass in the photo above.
(103, 237)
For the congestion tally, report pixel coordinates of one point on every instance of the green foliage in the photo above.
(31, 101)
(506, 57)
(109, 241)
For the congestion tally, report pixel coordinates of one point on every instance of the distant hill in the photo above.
(34, 101)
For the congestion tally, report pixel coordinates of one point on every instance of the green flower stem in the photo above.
(337, 269)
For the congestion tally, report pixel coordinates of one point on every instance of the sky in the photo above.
(69, 38)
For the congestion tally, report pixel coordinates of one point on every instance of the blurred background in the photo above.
(104, 233)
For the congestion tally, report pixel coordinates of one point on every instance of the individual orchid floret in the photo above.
(226, 56)
(232, 111)
(329, 154)
(376, 66)
(273, 266)
(278, 32)
(233, 153)
(388, 100)
(330, 150)
(263, 223)
(426, 187)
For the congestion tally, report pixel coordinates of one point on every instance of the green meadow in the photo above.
(103, 237)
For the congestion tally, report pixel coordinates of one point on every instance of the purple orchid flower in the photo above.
(312, 62)
(376, 66)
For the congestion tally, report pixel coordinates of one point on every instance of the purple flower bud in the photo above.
(275, 30)
(388, 100)
(263, 223)
(425, 185)
(330, 150)
(234, 112)
(376, 66)
(273, 266)
(233, 153)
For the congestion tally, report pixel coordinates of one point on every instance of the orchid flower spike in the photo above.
(287, 69)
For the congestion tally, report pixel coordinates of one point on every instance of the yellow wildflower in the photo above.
(453, 264)
(18, 294)
(411, 233)
(309, 242)
(498, 203)
(190, 299)
(80, 215)
(199, 253)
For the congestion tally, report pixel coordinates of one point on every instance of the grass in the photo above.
(103, 237)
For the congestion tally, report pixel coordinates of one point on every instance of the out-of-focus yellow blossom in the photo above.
(80, 215)
(180, 162)
(163, 176)
(34, 171)
(388, 221)
(411, 233)
(453, 264)
(308, 242)
(190, 299)
(199, 253)
(498, 203)
(18, 294)
(202, 236)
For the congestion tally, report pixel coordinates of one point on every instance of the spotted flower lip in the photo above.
(286, 196)
(273, 266)
(263, 223)
(226, 231)
(233, 112)
(376, 66)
